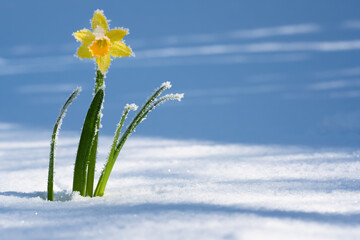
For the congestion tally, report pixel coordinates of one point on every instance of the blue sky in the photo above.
(264, 72)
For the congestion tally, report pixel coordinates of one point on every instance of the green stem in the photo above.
(99, 80)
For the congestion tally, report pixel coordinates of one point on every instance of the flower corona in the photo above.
(100, 47)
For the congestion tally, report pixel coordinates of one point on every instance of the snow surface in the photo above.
(169, 189)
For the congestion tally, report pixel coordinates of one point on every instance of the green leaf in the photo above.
(87, 141)
(140, 117)
(100, 188)
(50, 188)
(92, 163)
(149, 105)
(99, 83)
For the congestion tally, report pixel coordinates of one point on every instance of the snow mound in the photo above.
(167, 189)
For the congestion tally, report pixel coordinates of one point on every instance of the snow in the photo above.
(180, 189)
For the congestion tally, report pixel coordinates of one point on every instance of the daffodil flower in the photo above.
(102, 43)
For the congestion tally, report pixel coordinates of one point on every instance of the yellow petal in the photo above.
(85, 36)
(99, 20)
(117, 34)
(103, 63)
(119, 49)
(84, 52)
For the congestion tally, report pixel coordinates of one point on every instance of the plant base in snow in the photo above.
(84, 169)
(100, 44)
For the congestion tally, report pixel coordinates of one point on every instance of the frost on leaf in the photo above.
(177, 96)
(167, 85)
(132, 106)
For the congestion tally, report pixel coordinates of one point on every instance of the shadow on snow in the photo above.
(193, 208)
(62, 196)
